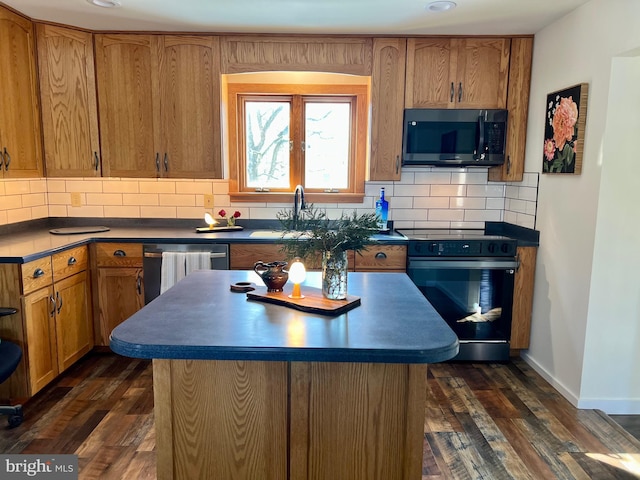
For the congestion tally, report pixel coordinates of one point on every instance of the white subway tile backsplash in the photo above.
(448, 190)
(429, 202)
(468, 203)
(449, 215)
(422, 198)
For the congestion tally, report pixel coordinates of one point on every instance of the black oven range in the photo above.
(468, 277)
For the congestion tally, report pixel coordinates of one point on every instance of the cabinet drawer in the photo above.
(69, 262)
(383, 258)
(36, 274)
(244, 255)
(118, 254)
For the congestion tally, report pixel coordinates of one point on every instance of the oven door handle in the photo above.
(464, 264)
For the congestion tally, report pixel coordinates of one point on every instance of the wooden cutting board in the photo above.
(313, 301)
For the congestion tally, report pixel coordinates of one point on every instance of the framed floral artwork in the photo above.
(564, 130)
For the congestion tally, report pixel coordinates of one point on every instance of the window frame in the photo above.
(360, 128)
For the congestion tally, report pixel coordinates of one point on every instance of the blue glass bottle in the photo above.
(382, 211)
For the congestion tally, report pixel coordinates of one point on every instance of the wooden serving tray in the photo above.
(313, 301)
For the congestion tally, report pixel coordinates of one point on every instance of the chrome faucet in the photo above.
(298, 204)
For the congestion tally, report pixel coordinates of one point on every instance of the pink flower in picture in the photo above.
(549, 149)
(564, 121)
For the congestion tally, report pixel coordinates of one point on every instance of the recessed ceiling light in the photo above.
(441, 6)
(105, 3)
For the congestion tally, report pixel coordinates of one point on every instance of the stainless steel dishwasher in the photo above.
(152, 262)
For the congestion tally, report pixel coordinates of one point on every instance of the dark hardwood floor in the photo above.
(482, 421)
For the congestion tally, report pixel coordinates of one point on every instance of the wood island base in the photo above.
(274, 420)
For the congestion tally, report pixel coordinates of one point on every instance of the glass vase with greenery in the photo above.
(313, 235)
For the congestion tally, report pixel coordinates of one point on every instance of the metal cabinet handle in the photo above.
(7, 160)
(139, 284)
(1, 159)
(453, 92)
(166, 162)
(38, 272)
(381, 255)
(119, 253)
(397, 163)
(96, 160)
(59, 301)
(508, 164)
(460, 92)
(72, 261)
(53, 305)
(158, 162)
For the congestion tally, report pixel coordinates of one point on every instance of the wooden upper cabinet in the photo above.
(457, 72)
(190, 107)
(69, 106)
(20, 142)
(159, 99)
(271, 53)
(126, 67)
(518, 105)
(387, 107)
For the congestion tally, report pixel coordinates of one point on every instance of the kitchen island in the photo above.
(245, 389)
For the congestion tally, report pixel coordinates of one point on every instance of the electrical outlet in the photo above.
(76, 199)
(208, 201)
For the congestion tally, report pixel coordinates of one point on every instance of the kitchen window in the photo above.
(285, 135)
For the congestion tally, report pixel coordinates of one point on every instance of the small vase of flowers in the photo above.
(313, 236)
(231, 219)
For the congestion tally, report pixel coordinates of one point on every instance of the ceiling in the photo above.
(400, 17)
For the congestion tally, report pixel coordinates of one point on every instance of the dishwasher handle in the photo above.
(159, 254)
(470, 264)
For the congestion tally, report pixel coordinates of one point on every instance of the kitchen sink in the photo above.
(273, 234)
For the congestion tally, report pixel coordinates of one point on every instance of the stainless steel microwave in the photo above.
(465, 137)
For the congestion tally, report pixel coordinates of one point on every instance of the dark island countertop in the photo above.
(200, 318)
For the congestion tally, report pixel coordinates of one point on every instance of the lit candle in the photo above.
(210, 220)
(297, 274)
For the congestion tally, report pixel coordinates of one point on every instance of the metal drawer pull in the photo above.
(139, 284)
(59, 301)
(158, 162)
(166, 162)
(119, 253)
(38, 273)
(453, 92)
(97, 160)
(72, 261)
(381, 255)
(53, 304)
(7, 160)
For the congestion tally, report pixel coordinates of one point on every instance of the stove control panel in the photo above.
(462, 248)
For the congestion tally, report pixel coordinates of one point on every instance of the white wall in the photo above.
(572, 334)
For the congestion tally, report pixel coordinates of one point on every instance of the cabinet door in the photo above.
(431, 64)
(518, 105)
(387, 107)
(482, 72)
(69, 106)
(39, 314)
(382, 258)
(190, 106)
(126, 66)
(74, 326)
(19, 115)
(120, 295)
(523, 298)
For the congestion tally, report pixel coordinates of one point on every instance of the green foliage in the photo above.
(314, 233)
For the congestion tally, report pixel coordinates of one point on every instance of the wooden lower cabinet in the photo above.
(120, 295)
(288, 420)
(523, 298)
(74, 330)
(40, 343)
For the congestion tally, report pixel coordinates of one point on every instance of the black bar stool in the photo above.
(10, 355)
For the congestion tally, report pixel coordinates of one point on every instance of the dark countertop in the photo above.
(31, 244)
(200, 318)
